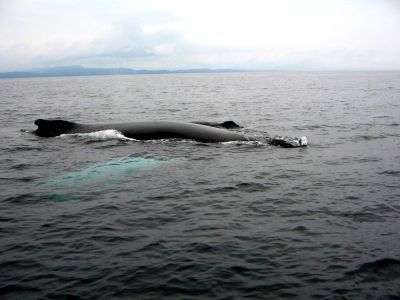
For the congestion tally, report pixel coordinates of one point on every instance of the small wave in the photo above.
(245, 187)
(21, 166)
(318, 126)
(30, 198)
(394, 173)
(371, 137)
(21, 198)
(251, 187)
(385, 269)
(362, 216)
(380, 117)
(367, 159)
(13, 288)
(19, 148)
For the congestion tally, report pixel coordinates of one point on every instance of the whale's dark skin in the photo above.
(144, 130)
(154, 130)
(225, 124)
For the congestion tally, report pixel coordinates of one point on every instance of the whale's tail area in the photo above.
(51, 128)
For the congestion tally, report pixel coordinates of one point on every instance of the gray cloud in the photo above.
(175, 34)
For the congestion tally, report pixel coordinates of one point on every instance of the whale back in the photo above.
(51, 128)
(142, 130)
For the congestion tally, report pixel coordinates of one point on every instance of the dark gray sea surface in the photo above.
(98, 216)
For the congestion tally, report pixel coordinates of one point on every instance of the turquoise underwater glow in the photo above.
(110, 172)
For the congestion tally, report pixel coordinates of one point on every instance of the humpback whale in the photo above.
(205, 132)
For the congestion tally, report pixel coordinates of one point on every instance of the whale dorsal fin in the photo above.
(225, 124)
(229, 124)
(50, 128)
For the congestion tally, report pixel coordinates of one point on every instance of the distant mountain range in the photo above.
(81, 71)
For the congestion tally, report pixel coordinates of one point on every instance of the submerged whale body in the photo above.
(153, 130)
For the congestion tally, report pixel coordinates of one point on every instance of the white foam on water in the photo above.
(303, 141)
(102, 135)
(252, 143)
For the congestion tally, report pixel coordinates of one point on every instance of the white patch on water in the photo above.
(109, 134)
(256, 143)
(303, 141)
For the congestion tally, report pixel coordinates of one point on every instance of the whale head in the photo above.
(288, 142)
(50, 128)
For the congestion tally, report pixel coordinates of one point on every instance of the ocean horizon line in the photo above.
(76, 70)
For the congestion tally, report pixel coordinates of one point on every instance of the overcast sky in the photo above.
(181, 34)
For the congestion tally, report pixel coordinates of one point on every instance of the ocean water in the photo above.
(98, 216)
